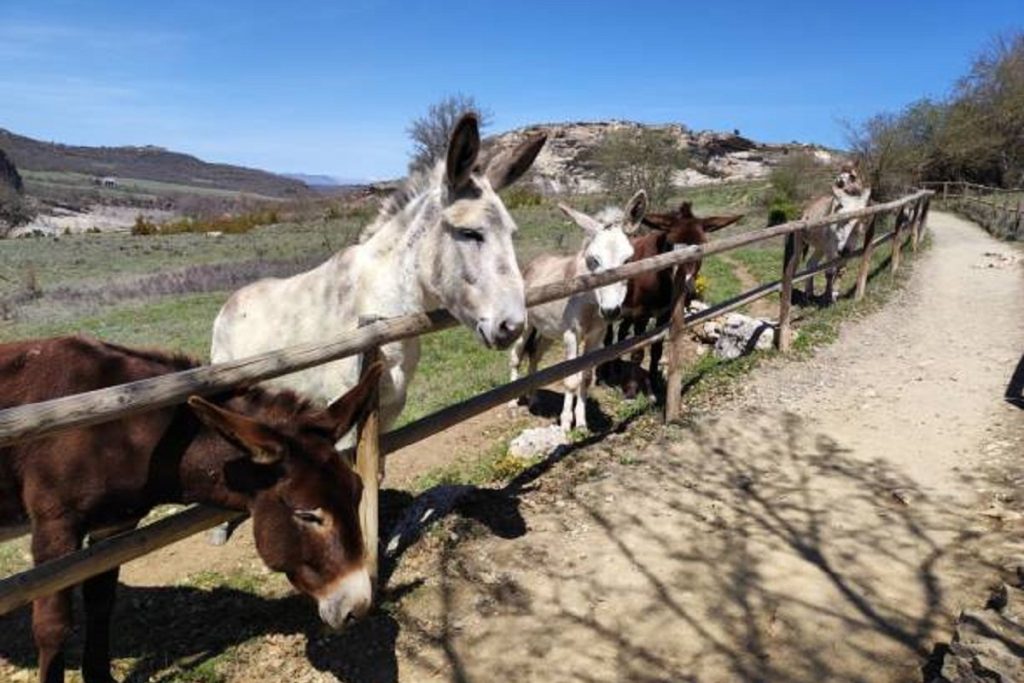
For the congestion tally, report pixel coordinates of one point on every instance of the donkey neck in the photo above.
(397, 263)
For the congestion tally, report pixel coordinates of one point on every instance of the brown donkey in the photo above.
(266, 453)
(650, 294)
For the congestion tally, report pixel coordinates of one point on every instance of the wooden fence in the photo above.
(40, 419)
(998, 210)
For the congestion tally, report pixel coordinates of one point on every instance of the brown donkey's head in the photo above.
(682, 227)
(302, 495)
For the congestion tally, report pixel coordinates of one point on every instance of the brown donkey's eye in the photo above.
(309, 516)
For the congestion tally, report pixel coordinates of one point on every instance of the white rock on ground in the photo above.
(537, 441)
(740, 334)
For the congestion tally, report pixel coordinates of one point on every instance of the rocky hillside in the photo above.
(562, 165)
(144, 163)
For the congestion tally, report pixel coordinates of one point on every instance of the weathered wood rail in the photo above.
(999, 210)
(36, 421)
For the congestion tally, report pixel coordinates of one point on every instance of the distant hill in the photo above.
(145, 163)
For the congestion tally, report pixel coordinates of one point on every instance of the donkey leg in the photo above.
(571, 383)
(98, 593)
(593, 341)
(220, 534)
(639, 326)
(51, 614)
(515, 358)
(536, 353)
(812, 263)
(656, 350)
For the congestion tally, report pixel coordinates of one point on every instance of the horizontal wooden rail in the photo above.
(103, 556)
(112, 403)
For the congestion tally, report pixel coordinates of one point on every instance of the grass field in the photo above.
(39, 182)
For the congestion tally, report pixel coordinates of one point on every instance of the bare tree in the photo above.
(430, 132)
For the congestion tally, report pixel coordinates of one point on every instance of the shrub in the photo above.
(519, 196)
(628, 160)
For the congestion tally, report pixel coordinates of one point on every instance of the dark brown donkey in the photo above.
(269, 454)
(650, 294)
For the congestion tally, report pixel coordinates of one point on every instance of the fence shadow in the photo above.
(758, 552)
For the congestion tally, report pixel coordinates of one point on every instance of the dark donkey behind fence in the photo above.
(650, 294)
(269, 454)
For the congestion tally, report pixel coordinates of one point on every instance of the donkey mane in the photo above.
(416, 185)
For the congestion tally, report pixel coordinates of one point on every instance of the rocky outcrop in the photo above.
(988, 644)
(562, 165)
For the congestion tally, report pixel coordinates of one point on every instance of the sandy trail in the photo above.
(828, 526)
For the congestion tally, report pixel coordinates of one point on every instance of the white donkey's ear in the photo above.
(505, 169)
(463, 149)
(636, 207)
(581, 219)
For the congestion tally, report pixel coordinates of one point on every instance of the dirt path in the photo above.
(828, 527)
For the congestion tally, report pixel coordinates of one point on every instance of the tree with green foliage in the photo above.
(627, 160)
(976, 133)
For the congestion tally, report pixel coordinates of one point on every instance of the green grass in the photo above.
(14, 556)
(127, 188)
(245, 581)
(477, 469)
(179, 323)
(95, 259)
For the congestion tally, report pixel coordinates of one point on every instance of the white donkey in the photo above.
(443, 241)
(581, 320)
(829, 241)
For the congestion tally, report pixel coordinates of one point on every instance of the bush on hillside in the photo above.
(628, 160)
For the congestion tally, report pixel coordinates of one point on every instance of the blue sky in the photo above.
(330, 87)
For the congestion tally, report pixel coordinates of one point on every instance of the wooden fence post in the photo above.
(945, 190)
(783, 332)
(865, 260)
(894, 260)
(675, 342)
(368, 464)
(915, 223)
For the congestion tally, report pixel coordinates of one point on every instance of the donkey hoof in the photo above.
(218, 535)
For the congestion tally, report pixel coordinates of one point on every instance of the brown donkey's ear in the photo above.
(659, 221)
(463, 148)
(505, 169)
(713, 223)
(686, 210)
(345, 412)
(262, 443)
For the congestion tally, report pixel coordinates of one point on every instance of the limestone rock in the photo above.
(987, 643)
(537, 441)
(740, 334)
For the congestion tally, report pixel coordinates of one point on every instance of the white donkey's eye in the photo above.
(310, 516)
(593, 263)
(469, 234)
